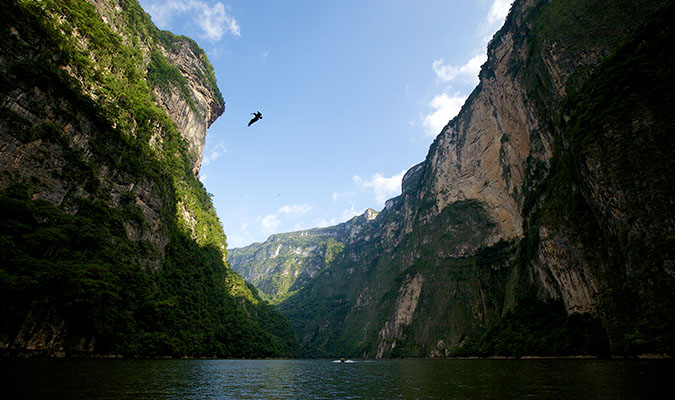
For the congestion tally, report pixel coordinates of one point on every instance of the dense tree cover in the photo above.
(87, 260)
(83, 269)
(536, 327)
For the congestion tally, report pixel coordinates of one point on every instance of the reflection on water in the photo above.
(325, 379)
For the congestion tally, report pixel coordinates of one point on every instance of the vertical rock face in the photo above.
(404, 310)
(193, 117)
(110, 244)
(528, 199)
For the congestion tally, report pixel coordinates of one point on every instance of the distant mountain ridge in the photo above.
(541, 221)
(286, 262)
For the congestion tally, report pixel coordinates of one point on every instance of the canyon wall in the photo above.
(539, 222)
(111, 245)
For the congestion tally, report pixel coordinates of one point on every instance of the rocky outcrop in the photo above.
(404, 310)
(194, 115)
(193, 110)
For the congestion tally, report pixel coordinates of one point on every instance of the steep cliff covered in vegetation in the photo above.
(109, 244)
(541, 221)
(286, 262)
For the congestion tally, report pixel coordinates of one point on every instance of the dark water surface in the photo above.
(324, 379)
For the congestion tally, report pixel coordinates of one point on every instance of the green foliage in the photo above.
(164, 75)
(540, 329)
(285, 258)
(169, 40)
(92, 111)
(80, 268)
(333, 247)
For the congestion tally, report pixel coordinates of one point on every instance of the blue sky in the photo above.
(352, 93)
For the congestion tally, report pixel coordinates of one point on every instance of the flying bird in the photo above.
(257, 115)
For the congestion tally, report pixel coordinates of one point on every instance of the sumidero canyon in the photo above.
(471, 199)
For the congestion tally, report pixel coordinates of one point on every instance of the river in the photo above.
(325, 379)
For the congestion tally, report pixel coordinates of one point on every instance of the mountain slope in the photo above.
(285, 262)
(109, 242)
(540, 221)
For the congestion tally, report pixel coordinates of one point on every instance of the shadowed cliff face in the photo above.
(110, 244)
(512, 210)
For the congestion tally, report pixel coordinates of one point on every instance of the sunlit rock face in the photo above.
(194, 113)
(511, 205)
(192, 117)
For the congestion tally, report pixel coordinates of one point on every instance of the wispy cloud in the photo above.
(446, 105)
(214, 154)
(263, 55)
(383, 187)
(295, 209)
(235, 240)
(467, 72)
(214, 20)
(269, 224)
(498, 11)
(338, 196)
(345, 215)
(350, 213)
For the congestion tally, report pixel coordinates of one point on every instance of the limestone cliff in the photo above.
(110, 244)
(540, 210)
(191, 98)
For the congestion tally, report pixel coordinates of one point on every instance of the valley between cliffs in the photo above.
(540, 222)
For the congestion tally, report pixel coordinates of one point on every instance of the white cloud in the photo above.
(445, 107)
(383, 187)
(263, 55)
(295, 209)
(213, 20)
(234, 240)
(214, 154)
(337, 196)
(269, 223)
(498, 11)
(350, 213)
(345, 215)
(203, 177)
(468, 72)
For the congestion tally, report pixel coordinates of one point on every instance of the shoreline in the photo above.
(28, 355)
